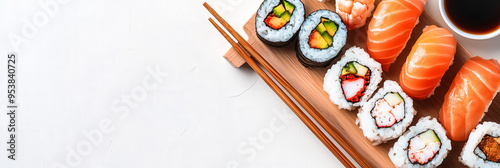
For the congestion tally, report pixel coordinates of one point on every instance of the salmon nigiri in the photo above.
(391, 27)
(469, 96)
(429, 59)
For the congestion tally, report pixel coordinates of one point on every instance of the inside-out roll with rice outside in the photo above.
(278, 21)
(321, 37)
(483, 147)
(387, 115)
(353, 79)
(423, 145)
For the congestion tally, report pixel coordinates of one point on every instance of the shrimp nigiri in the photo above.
(354, 12)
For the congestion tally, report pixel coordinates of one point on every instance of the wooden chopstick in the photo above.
(286, 99)
(293, 92)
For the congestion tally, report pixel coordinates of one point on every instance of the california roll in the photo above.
(387, 115)
(353, 79)
(424, 145)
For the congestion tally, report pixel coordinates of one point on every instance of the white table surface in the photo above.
(133, 83)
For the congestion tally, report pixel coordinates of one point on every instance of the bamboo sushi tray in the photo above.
(309, 83)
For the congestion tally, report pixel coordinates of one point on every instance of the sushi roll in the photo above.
(387, 115)
(424, 145)
(321, 37)
(353, 79)
(483, 147)
(278, 21)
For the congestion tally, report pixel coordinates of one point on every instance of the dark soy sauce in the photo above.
(474, 16)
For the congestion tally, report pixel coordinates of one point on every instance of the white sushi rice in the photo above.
(332, 82)
(468, 157)
(367, 123)
(339, 39)
(285, 33)
(399, 152)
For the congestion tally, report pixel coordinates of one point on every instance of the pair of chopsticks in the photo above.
(246, 47)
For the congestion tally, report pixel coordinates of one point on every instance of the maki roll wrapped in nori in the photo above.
(353, 79)
(387, 115)
(424, 145)
(278, 21)
(483, 147)
(321, 37)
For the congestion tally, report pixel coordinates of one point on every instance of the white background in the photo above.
(81, 61)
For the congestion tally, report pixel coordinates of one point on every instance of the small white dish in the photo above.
(463, 33)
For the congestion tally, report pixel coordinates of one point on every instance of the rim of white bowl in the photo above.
(462, 33)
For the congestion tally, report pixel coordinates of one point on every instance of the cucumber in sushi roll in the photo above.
(353, 79)
(483, 147)
(424, 145)
(387, 115)
(278, 21)
(321, 37)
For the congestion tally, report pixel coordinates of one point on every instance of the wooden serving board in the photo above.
(309, 83)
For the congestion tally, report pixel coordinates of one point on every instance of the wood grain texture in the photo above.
(309, 83)
(234, 58)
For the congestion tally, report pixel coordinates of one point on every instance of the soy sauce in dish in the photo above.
(474, 16)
